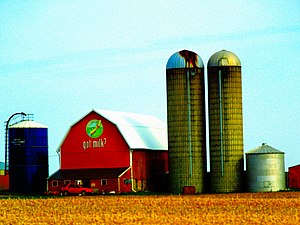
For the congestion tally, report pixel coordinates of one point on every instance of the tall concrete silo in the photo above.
(265, 169)
(225, 122)
(186, 122)
(28, 157)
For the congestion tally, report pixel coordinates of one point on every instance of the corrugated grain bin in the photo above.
(186, 121)
(28, 157)
(225, 122)
(265, 169)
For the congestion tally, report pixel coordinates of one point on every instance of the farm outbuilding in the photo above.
(186, 122)
(28, 157)
(114, 152)
(225, 113)
(4, 178)
(294, 177)
(265, 169)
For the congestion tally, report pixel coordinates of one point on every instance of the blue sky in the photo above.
(61, 59)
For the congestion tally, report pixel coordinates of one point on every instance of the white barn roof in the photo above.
(139, 131)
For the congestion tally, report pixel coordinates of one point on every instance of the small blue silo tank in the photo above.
(28, 157)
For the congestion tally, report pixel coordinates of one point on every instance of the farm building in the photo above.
(186, 122)
(28, 157)
(294, 177)
(225, 113)
(114, 151)
(4, 178)
(265, 169)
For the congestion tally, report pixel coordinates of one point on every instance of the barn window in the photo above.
(54, 183)
(103, 182)
(66, 182)
(127, 181)
(79, 182)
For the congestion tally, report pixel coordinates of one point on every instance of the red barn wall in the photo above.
(149, 169)
(294, 177)
(78, 150)
(4, 182)
(125, 182)
(112, 185)
(148, 162)
(120, 184)
(57, 188)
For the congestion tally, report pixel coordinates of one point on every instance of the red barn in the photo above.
(294, 177)
(114, 151)
(4, 178)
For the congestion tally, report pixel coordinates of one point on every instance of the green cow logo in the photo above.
(94, 128)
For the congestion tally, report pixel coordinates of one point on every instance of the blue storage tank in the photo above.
(28, 157)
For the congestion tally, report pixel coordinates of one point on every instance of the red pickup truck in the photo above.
(76, 189)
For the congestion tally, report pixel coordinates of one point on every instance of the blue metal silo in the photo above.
(28, 157)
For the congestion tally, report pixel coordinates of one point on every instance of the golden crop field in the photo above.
(245, 208)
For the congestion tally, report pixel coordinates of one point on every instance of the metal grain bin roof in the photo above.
(28, 124)
(264, 149)
(184, 59)
(223, 58)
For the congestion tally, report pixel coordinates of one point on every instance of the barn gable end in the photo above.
(114, 151)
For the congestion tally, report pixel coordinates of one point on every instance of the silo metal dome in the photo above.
(224, 58)
(186, 122)
(265, 169)
(184, 59)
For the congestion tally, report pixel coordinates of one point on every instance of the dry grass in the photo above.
(246, 208)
